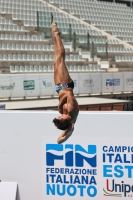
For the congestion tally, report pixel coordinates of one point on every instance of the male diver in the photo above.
(68, 106)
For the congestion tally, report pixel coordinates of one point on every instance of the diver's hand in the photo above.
(71, 129)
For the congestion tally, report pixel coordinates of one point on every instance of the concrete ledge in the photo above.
(112, 70)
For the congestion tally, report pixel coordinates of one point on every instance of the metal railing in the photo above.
(68, 33)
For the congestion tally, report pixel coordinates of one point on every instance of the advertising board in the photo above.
(128, 81)
(89, 83)
(6, 85)
(36, 85)
(96, 162)
(89, 168)
(46, 84)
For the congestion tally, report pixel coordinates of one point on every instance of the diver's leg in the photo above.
(61, 74)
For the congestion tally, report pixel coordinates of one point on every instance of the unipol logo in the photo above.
(71, 155)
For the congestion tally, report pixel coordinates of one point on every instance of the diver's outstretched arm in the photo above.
(65, 134)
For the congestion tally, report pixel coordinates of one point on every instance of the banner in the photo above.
(96, 162)
(35, 85)
(117, 82)
(46, 84)
(31, 85)
(89, 83)
(128, 81)
(88, 169)
(18, 90)
(97, 83)
(6, 85)
(85, 83)
(112, 82)
(107, 83)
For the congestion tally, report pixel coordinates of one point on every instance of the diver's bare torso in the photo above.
(68, 104)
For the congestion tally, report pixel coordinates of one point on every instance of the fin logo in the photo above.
(72, 155)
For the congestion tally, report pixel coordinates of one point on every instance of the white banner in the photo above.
(97, 83)
(46, 84)
(85, 83)
(107, 83)
(117, 82)
(31, 85)
(6, 85)
(35, 85)
(128, 81)
(18, 90)
(89, 83)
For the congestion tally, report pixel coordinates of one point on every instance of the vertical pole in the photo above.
(37, 20)
(131, 3)
(88, 41)
(93, 50)
(70, 32)
(107, 50)
(52, 18)
(74, 41)
(113, 1)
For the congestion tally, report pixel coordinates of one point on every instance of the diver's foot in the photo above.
(55, 30)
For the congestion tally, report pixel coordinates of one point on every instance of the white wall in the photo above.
(24, 137)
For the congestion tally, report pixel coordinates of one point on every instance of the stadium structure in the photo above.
(98, 39)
